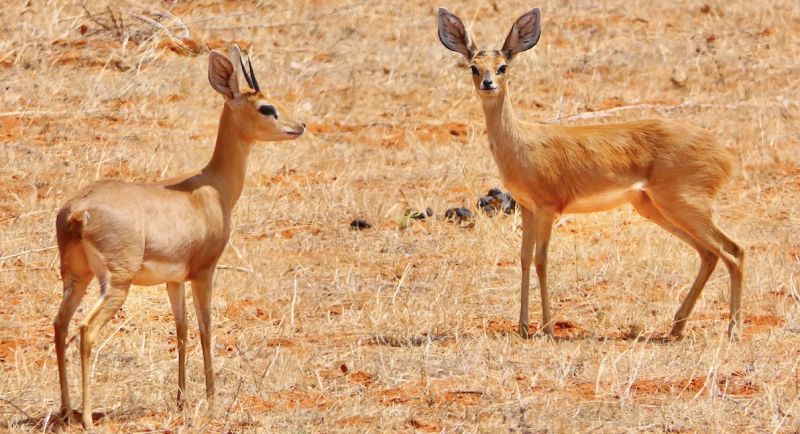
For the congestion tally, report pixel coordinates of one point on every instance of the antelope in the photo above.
(670, 172)
(171, 231)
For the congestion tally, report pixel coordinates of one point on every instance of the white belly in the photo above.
(156, 272)
(604, 200)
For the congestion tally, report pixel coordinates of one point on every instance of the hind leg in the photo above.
(74, 290)
(708, 260)
(113, 294)
(696, 219)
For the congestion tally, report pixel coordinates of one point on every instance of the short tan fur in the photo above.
(170, 231)
(670, 172)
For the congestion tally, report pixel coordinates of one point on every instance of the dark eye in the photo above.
(501, 69)
(268, 110)
(474, 69)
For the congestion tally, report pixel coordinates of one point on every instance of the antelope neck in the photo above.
(229, 162)
(501, 122)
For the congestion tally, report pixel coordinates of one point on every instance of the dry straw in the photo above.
(321, 328)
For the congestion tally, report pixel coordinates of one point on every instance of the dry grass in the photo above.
(401, 329)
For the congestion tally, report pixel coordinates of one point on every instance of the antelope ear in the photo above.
(524, 33)
(222, 75)
(454, 35)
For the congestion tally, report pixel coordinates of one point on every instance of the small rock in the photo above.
(458, 214)
(404, 220)
(496, 201)
(509, 205)
(486, 201)
(359, 224)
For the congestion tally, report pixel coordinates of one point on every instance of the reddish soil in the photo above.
(8, 348)
(735, 384)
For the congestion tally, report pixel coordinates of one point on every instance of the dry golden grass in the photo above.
(319, 328)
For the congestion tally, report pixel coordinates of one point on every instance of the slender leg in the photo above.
(696, 220)
(111, 298)
(74, 290)
(526, 253)
(708, 260)
(735, 264)
(201, 293)
(177, 299)
(543, 228)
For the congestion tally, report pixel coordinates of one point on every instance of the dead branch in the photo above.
(234, 268)
(667, 108)
(42, 249)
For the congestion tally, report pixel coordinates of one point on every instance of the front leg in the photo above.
(543, 228)
(177, 299)
(525, 254)
(201, 294)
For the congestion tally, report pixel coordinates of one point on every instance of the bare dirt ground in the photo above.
(318, 328)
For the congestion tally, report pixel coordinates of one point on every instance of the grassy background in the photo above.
(320, 328)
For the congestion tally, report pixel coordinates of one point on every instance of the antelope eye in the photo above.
(268, 110)
(501, 69)
(474, 69)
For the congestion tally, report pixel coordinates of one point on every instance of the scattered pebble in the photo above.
(495, 191)
(416, 215)
(404, 220)
(496, 200)
(359, 224)
(509, 205)
(459, 214)
(486, 201)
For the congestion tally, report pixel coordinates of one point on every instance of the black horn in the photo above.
(253, 76)
(246, 77)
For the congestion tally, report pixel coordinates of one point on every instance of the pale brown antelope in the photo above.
(170, 231)
(669, 172)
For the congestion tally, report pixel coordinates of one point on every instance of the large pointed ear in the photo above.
(454, 35)
(524, 33)
(222, 75)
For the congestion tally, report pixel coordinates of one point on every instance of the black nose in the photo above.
(303, 124)
(487, 82)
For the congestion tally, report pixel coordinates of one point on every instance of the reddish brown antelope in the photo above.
(170, 231)
(669, 172)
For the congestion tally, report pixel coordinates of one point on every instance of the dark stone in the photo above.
(485, 200)
(458, 214)
(509, 204)
(359, 224)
